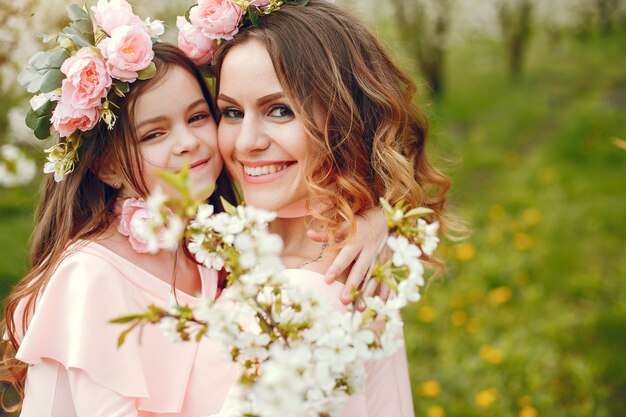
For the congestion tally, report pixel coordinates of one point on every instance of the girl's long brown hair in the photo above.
(81, 206)
(373, 141)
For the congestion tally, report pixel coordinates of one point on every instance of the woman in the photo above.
(317, 123)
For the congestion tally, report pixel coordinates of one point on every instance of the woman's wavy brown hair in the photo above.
(373, 140)
(81, 206)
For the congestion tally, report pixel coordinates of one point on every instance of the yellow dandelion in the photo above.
(499, 295)
(430, 389)
(465, 252)
(531, 216)
(522, 241)
(486, 398)
(473, 326)
(426, 314)
(528, 411)
(435, 411)
(458, 318)
(496, 212)
(491, 355)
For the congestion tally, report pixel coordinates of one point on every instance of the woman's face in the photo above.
(262, 142)
(174, 125)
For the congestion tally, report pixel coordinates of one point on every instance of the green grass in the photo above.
(529, 319)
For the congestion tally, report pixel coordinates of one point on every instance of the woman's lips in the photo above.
(260, 172)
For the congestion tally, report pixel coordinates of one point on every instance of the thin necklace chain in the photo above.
(321, 254)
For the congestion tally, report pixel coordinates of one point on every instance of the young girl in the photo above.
(87, 271)
(317, 123)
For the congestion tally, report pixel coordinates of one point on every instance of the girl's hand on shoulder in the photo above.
(356, 259)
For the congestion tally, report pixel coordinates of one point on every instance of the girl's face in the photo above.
(174, 125)
(262, 142)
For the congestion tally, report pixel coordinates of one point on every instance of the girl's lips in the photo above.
(198, 164)
(261, 172)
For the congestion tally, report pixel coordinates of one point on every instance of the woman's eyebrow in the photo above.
(261, 101)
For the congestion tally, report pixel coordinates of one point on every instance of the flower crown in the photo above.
(78, 83)
(210, 22)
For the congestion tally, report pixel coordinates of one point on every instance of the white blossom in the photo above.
(15, 168)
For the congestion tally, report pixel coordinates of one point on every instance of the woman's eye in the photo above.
(231, 113)
(281, 111)
(150, 136)
(198, 117)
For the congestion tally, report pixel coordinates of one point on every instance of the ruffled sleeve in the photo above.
(70, 325)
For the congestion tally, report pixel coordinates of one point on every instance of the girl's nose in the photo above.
(186, 141)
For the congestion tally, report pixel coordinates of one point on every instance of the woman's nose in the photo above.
(251, 137)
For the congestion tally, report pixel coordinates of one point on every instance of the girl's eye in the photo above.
(281, 112)
(232, 113)
(150, 136)
(198, 117)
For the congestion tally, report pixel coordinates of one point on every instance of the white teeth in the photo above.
(264, 170)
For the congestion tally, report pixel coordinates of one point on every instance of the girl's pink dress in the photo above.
(78, 371)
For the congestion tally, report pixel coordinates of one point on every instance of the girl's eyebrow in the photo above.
(261, 101)
(149, 121)
(160, 118)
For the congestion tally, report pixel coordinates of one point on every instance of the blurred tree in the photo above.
(606, 10)
(515, 18)
(424, 26)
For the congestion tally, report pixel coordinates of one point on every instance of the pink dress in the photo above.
(76, 367)
(78, 371)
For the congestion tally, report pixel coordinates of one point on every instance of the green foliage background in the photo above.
(529, 319)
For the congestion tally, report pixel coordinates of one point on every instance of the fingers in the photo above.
(319, 236)
(342, 262)
(357, 275)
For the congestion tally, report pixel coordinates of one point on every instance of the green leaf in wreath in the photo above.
(298, 2)
(147, 73)
(75, 12)
(255, 20)
(39, 120)
(80, 37)
(48, 38)
(43, 71)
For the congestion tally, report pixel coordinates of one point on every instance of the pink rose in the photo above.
(87, 80)
(127, 51)
(134, 210)
(66, 118)
(135, 219)
(217, 18)
(112, 14)
(194, 43)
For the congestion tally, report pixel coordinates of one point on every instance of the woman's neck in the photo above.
(299, 251)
